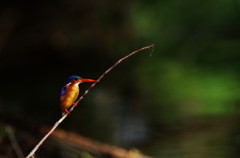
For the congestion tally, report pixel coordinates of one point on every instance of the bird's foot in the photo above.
(66, 111)
(74, 104)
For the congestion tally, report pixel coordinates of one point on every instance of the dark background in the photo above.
(181, 100)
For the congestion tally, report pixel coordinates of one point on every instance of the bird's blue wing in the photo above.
(64, 90)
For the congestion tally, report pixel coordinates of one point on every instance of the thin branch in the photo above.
(109, 69)
(14, 142)
(31, 154)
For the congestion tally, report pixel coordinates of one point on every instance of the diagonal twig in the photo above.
(31, 154)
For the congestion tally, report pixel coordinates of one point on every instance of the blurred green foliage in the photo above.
(194, 69)
(188, 90)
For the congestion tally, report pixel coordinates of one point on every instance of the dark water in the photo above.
(218, 138)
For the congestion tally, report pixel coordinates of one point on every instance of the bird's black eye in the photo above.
(76, 79)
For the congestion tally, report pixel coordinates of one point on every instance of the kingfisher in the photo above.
(70, 92)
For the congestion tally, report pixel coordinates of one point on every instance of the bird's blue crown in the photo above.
(72, 78)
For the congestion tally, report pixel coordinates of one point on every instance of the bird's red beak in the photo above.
(81, 80)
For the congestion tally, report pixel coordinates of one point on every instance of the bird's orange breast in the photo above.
(69, 97)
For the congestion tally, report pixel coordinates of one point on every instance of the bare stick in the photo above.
(31, 154)
(14, 142)
(94, 147)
